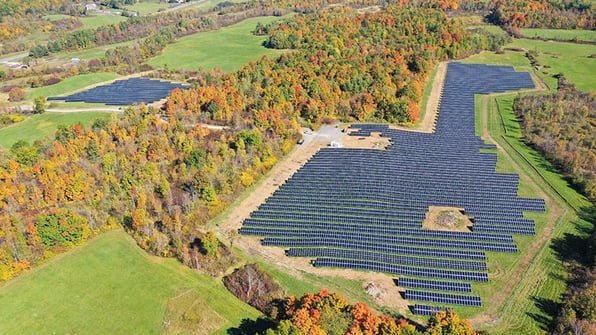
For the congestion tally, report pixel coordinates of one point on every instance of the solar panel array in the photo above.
(427, 310)
(125, 92)
(363, 209)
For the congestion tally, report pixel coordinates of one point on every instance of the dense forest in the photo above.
(561, 126)
(330, 313)
(569, 14)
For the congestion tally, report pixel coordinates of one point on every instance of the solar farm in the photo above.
(363, 209)
(125, 92)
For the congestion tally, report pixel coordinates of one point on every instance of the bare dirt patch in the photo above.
(446, 218)
(374, 141)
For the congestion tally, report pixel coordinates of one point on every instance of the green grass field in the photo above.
(72, 84)
(146, 7)
(91, 53)
(530, 307)
(37, 127)
(571, 59)
(94, 21)
(110, 286)
(560, 34)
(228, 48)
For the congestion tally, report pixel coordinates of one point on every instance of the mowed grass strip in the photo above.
(228, 48)
(40, 126)
(108, 286)
(529, 310)
(560, 34)
(72, 84)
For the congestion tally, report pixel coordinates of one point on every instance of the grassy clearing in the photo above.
(489, 28)
(37, 127)
(571, 59)
(560, 34)
(228, 48)
(72, 84)
(91, 53)
(92, 22)
(148, 7)
(110, 286)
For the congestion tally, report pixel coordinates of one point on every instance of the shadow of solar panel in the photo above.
(125, 92)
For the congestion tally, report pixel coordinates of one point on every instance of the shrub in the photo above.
(16, 94)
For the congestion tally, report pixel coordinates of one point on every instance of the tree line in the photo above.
(560, 126)
(162, 176)
(325, 313)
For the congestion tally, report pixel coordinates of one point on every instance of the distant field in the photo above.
(91, 53)
(37, 127)
(71, 84)
(148, 6)
(569, 58)
(94, 21)
(490, 28)
(560, 34)
(228, 48)
(110, 286)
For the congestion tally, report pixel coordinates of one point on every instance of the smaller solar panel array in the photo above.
(435, 285)
(427, 310)
(443, 298)
(125, 92)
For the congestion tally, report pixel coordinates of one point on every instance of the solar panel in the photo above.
(435, 285)
(363, 209)
(427, 310)
(443, 298)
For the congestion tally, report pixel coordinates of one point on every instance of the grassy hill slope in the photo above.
(110, 286)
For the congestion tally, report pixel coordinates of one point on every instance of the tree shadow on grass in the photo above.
(548, 309)
(252, 327)
(571, 248)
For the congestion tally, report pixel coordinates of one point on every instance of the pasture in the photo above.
(95, 21)
(228, 48)
(37, 127)
(110, 286)
(560, 34)
(571, 59)
(72, 84)
(147, 7)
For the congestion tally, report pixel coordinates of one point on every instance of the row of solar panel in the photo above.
(426, 310)
(314, 226)
(386, 239)
(443, 298)
(379, 247)
(387, 258)
(421, 196)
(400, 269)
(434, 285)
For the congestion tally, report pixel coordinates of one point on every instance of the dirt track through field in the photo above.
(490, 314)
